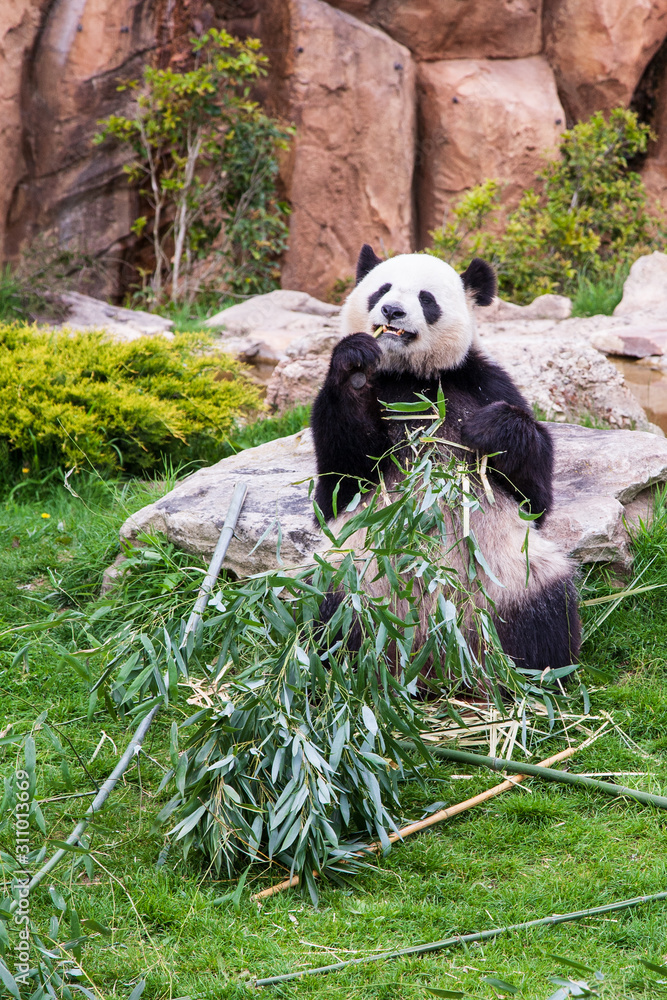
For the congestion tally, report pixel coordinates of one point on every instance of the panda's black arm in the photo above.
(506, 425)
(348, 431)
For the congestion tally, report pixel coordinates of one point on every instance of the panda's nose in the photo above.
(392, 312)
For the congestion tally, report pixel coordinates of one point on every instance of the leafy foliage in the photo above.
(205, 163)
(71, 398)
(587, 217)
(295, 756)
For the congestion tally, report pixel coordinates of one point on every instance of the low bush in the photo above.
(585, 219)
(75, 398)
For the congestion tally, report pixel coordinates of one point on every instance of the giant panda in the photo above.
(428, 340)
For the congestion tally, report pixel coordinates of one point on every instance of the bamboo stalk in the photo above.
(219, 554)
(539, 771)
(424, 824)
(135, 743)
(421, 949)
(119, 770)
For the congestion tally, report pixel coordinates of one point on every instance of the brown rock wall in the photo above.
(345, 73)
(599, 49)
(450, 29)
(350, 91)
(65, 81)
(479, 119)
(18, 29)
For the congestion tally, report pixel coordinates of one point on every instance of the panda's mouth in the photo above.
(395, 333)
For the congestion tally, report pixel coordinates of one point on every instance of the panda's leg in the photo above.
(543, 631)
(328, 608)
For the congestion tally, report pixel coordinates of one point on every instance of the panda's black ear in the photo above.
(368, 259)
(480, 278)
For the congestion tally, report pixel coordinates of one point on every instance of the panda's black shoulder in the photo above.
(483, 379)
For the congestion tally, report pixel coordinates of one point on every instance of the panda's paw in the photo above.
(488, 429)
(355, 355)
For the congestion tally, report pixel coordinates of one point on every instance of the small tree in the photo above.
(205, 161)
(588, 219)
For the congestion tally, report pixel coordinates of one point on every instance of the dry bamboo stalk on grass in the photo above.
(424, 824)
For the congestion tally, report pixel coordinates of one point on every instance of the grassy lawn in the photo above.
(531, 852)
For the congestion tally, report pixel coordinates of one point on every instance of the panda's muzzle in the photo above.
(396, 333)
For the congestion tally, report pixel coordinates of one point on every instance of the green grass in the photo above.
(599, 298)
(529, 853)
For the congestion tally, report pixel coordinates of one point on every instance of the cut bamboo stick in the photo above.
(464, 939)
(424, 824)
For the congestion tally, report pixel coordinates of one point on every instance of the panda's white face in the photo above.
(422, 304)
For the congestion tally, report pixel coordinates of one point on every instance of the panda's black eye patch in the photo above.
(432, 311)
(376, 296)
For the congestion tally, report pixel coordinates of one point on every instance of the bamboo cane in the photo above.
(217, 559)
(119, 770)
(437, 817)
(421, 949)
(540, 771)
(135, 743)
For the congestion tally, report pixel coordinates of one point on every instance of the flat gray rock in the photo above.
(601, 476)
(277, 475)
(87, 313)
(262, 329)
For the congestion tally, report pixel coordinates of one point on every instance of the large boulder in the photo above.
(599, 476)
(599, 49)
(18, 29)
(449, 29)
(562, 374)
(350, 91)
(478, 119)
(645, 288)
(86, 313)
(261, 329)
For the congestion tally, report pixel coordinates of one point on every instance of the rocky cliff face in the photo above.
(399, 106)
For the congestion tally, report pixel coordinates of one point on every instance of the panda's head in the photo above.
(423, 305)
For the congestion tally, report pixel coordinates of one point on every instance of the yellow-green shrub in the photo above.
(68, 398)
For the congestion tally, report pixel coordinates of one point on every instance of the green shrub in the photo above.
(72, 398)
(587, 218)
(204, 161)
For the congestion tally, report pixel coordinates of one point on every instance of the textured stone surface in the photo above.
(19, 25)
(86, 313)
(637, 341)
(556, 307)
(480, 119)
(450, 29)
(645, 288)
(563, 374)
(263, 328)
(60, 66)
(597, 473)
(600, 48)
(350, 91)
(277, 475)
(66, 184)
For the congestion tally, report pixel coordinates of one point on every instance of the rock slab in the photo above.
(87, 313)
(599, 476)
(483, 118)
(262, 329)
(449, 29)
(350, 90)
